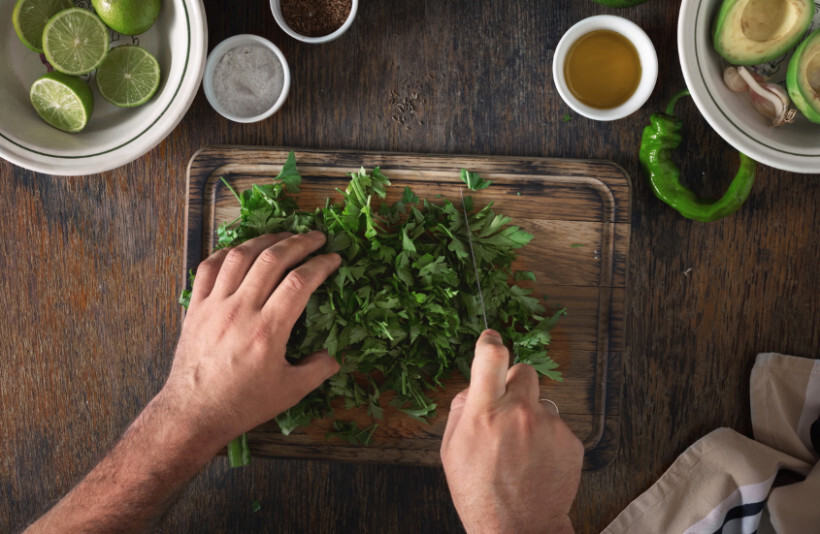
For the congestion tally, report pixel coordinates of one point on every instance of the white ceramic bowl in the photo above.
(114, 136)
(213, 60)
(646, 54)
(792, 147)
(280, 20)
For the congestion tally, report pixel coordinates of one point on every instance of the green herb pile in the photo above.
(402, 311)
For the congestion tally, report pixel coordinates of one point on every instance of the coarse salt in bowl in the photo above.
(646, 53)
(276, 9)
(247, 78)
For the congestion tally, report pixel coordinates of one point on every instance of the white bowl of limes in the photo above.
(89, 88)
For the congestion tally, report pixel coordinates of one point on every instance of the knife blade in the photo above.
(472, 255)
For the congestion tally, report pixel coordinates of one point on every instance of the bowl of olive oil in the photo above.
(605, 67)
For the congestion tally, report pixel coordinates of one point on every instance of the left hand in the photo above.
(229, 372)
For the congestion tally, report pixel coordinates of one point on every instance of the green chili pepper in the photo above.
(658, 143)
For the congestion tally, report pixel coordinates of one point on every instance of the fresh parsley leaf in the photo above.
(350, 432)
(523, 275)
(473, 180)
(289, 175)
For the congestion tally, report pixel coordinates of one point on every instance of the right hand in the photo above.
(511, 463)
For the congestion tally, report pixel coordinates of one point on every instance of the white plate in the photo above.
(792, 147)
(114, 136)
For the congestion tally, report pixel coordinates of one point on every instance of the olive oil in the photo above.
(602, 69)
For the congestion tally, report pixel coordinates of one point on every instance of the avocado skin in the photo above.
(728, 34)
(803, 96)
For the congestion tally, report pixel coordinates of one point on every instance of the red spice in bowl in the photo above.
(315, 18)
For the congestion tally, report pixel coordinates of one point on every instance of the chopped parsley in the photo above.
(402, 312)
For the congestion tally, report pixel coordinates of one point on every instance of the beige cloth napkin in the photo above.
(729, 483)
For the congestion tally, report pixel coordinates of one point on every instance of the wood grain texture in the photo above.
(578, 212)
(91, 265)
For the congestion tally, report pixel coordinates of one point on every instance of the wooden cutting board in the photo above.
(579, 213)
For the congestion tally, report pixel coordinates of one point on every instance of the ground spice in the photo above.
(315, 18)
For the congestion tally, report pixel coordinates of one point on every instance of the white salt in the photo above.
(248, 80)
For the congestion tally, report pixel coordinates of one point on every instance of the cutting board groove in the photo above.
(579, 213)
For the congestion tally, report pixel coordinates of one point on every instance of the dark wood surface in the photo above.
(579, 214)
(90, 265)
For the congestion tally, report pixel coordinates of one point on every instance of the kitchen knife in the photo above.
(472, 255)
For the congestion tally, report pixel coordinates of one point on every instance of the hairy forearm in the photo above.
(130, 489)
(489, 523)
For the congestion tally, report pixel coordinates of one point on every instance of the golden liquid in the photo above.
(602, 69)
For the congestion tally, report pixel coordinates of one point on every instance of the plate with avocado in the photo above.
(778, 41)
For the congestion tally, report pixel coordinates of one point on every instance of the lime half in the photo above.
(63, 101)
(129, 76)
(30, 17)
(75, 41)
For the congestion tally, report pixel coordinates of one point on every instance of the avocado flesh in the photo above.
(750, 32)
(803, 77)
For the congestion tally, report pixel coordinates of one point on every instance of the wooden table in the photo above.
(91, 265)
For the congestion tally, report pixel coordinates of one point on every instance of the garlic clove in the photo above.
(769, 99)
(734, 81)
(776, 109)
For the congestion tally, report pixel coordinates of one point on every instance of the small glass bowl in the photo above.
(276, 8)
(213, 60)
(646, 54)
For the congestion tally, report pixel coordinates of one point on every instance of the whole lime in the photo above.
(616, 3)
(128, 17)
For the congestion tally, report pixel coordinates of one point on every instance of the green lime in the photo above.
(30, 17)
(63, 101)
(75, 41)
(128, 76)
(128, 17)
(620, 3)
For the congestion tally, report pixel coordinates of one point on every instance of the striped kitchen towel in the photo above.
(729, 483)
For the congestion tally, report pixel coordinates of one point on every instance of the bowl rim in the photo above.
(692, 16)
(220, 50)
(280, 20)
(36, 159)
(646, 53)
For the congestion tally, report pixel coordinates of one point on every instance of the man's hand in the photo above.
(230, 373)
(511, 463)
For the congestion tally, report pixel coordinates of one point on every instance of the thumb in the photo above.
(311, 371)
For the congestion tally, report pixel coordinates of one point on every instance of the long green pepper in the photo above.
(660, 139)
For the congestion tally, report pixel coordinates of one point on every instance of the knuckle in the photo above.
(206, 269)
(523, 371)
(261, 337)
(496, 353)
(270, 257)
(524, 417)
(231, 316)
(296, 281)
(236, 255)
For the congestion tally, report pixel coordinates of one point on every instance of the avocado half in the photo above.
(803, 77)
(750, 32)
